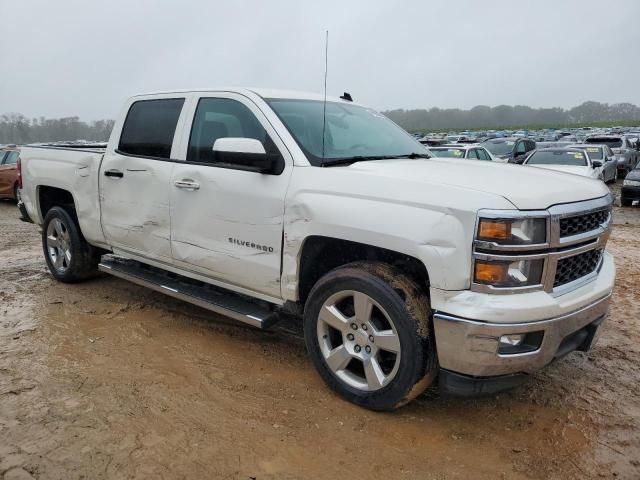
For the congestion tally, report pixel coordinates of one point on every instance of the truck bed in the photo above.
(72, 168)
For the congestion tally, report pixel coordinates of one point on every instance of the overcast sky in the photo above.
(67, 57)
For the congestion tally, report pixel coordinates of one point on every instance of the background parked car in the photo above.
(510, 149)
(471, 152)
(626, 154)
(568, 160)
(631, 188)
(606, 156)
(8, 174)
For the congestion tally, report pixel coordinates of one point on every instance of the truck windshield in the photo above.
(351, 132)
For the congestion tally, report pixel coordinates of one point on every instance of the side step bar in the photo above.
(203, 295)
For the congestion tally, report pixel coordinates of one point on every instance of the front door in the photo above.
(134, 180)
(228, 225)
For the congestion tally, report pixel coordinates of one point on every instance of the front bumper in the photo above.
(470, 347)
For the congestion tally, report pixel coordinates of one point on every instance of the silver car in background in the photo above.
(624, 150)
(605, 155)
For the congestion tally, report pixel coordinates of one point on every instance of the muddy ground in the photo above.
(109, 380)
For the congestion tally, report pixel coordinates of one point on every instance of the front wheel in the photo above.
(68, 255)
(367, 329)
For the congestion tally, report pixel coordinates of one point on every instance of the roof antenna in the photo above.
(324, 105)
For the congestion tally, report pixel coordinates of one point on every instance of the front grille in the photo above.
(582, 223)
(573, 268)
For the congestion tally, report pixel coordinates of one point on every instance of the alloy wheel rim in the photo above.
(59, 245)
(358, 340)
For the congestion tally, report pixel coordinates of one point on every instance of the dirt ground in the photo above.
(109, 380)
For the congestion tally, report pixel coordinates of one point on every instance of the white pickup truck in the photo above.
(404, 268)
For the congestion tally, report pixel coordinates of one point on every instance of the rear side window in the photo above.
(150, 126)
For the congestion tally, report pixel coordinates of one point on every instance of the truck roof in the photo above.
(262, 92)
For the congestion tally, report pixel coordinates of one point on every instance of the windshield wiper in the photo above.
(362, 158)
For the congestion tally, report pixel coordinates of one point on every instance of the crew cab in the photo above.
(404, 269)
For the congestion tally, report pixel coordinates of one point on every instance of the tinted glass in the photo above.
(150, 127)
(448, 152)
(350, 131)
(559, 157)
(11, 158)
(2, 155)
(221, 118)
(472, 154)
(500, 148)
(610, 142)
(521, 147)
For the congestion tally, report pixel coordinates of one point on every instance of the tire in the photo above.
(398, 319)
(626, 202)
(69, 257)
(15, 193)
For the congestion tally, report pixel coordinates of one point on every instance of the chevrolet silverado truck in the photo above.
(406, 270)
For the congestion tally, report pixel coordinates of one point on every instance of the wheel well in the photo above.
(49, 197)
(322, 254)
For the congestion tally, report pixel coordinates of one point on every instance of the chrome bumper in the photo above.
(470, 347)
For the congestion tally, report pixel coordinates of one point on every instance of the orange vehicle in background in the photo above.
(9, 173)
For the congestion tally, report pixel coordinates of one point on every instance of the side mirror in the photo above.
(246, 154)
(596, 163)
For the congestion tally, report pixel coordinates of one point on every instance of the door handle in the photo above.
(113, 173)
(187, 184)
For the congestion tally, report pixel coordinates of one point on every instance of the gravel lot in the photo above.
(109, 380)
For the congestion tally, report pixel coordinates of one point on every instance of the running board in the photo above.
(201, 294)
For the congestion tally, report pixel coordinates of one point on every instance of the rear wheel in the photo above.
(68, 255)
(367, 330)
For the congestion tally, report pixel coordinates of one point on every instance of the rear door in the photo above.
(135, 176)
(230, 227)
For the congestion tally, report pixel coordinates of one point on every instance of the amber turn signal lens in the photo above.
(491, 272)
(494, 230)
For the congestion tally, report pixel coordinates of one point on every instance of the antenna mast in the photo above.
(324, 105)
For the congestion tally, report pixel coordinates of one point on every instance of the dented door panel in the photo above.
(135, 207)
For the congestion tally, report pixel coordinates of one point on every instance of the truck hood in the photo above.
(526, 188)
(574, 169)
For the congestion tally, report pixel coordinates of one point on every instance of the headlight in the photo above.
(631, 183)
(527, 231)
(508, 274)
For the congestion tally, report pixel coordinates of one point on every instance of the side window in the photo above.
(2, 155)
(482, 154)
(150, 126)
(11, 158)
(472, 154)
(531, 146)
(221, 118)
(521, 148)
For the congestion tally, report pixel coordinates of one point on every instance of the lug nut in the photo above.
(364, 327)
(371, 338)
(354, 326)
(367, 349)
(350, 336)
(357, 348)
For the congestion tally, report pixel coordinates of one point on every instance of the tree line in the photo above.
(505, 116)
(18, 129)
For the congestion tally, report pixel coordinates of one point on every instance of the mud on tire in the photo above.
(61, 234)
(399, 307)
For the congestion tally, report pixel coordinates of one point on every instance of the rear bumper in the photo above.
(470, 347)
(630, 193)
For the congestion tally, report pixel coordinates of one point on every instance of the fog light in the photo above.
(512, 340)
